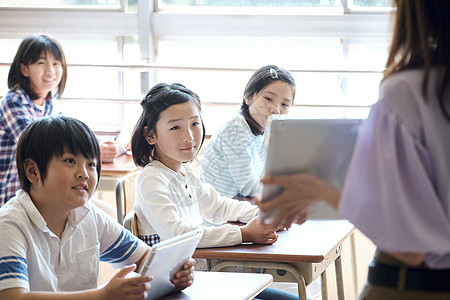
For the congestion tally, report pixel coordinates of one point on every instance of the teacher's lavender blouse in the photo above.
(397, 190)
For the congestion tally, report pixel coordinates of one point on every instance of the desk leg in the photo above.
(339, 281)
(301, 289)
(354, 263)
(323, 283)
(268, 265)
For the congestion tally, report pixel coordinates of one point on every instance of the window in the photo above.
(59, 3)
(251, 3)
(335, 50)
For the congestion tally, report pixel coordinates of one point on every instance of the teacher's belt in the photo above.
(408, 278)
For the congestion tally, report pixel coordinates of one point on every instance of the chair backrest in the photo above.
(130, 222)
(125, 195)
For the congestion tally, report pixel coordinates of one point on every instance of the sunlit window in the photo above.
(57, 3)
(277, 3)
(337, 71)
(252, 3)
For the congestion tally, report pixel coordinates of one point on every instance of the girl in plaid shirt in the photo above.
(37, 75)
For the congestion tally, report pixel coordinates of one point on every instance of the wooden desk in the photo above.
(304, 252)
(120, 166)
(223, 286)
(111, 172)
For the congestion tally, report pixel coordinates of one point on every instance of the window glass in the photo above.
(361, 89)
(53, 3)
(132, 5)
(4, 78)
(131, 78)
(318, 64)
(370, 3)
(315, 64)
(367, 54)
(99, 116)
(7, 51)
(278, 3)
(252, 3)
(91, 82)
(295, 52)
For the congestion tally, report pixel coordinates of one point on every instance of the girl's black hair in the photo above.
(259, 80)
(29, 52)
(158, 98)
(52, 136)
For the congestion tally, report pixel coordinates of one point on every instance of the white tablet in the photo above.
(322, 147)
(167, 258)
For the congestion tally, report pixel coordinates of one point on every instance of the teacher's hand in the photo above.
(302, 191)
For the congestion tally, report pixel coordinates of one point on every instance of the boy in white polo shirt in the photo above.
(52, 237)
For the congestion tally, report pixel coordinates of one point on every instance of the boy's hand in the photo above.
(259, 233)
(126, 288)
(185, 277)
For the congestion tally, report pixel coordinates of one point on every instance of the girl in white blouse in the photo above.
(170, 199)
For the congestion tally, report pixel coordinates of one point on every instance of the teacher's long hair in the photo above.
(421, 39)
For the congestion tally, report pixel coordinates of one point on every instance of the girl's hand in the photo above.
(126, 288)
(259, 233)
(185, 277)
(108, 151)
(301, 192)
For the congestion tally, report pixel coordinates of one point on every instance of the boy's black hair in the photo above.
(259, 80)
(29, 52)
(52, 136)
(158, 98)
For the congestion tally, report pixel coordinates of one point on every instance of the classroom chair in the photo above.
(130, 222)
(125, 195)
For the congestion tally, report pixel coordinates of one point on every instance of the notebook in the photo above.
(167, 258)
(322, 147)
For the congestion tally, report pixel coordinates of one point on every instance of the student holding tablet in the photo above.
(52, 236)
(397, 187)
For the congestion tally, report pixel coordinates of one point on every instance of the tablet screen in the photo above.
(167, 258)
(322, 147)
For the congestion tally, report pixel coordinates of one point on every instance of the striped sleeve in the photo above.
(13, 267)
(13, 250)
(13, 273)
(121, 249)
(118, 246)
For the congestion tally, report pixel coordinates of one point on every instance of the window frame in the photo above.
(152, 25)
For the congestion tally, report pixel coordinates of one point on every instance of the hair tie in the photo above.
(273, 73)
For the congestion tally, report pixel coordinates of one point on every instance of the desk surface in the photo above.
(120, 166)
(310, 242)
(223, 285)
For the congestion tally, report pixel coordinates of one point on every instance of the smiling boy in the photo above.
(52, 236)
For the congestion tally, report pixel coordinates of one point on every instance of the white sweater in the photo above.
(169, 204)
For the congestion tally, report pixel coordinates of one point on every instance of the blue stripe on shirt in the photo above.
(13, 267)
(121, 249)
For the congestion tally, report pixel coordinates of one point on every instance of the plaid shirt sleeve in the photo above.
(17, 111)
